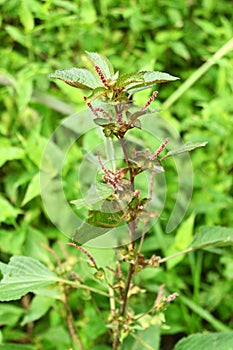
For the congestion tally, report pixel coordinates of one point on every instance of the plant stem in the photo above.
(127, 287)
(131, 269)
(70, 321)
(188, 250)
(198, 73)
(123, 145)
(116, 340)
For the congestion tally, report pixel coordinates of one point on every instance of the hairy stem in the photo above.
(131, 269)
(123, 145)
(127, 287)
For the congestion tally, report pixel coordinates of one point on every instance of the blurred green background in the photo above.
(177, 37)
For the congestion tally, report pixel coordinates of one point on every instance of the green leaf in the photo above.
(183, 239)
(209, 341)
(33, 189)
(150, 79)
(24, 92)
(103, 63)
(26, 17)
(97, 224)
(10, 314)
(103, 122)
(33, 245)
(22, 275)
(213, 236)
(17, 35)
(77, 77)
(7, 213)
(189, 146)
(38, 308)
(96, 93)
(129, 78)
(12, 240)
(157, 77)
(180, 49)
(148, 339)
(9, 152)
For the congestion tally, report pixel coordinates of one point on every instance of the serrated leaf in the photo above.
(209, 341)
(189, 146)
(150, 79)
(102, 62)
(129, 78)
(22, 275)
(96, 93)
(157, 77)
(77, 77)
(213, 236)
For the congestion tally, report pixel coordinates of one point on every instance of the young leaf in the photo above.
(209, 341)
(213, 236)
(150, 79)
(96, 93)
(103, 122)
(77, 77)
(102, 62)
(22, 275)
(129, 78)
(189, 146)
(157, 77)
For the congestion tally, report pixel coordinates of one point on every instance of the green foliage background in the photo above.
(177, 37)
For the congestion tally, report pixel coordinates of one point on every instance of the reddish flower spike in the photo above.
(101, 75)
(151, 99)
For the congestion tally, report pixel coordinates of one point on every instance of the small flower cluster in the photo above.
(151, 99)
(96, 110)
(159, 150)
(113, 178)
